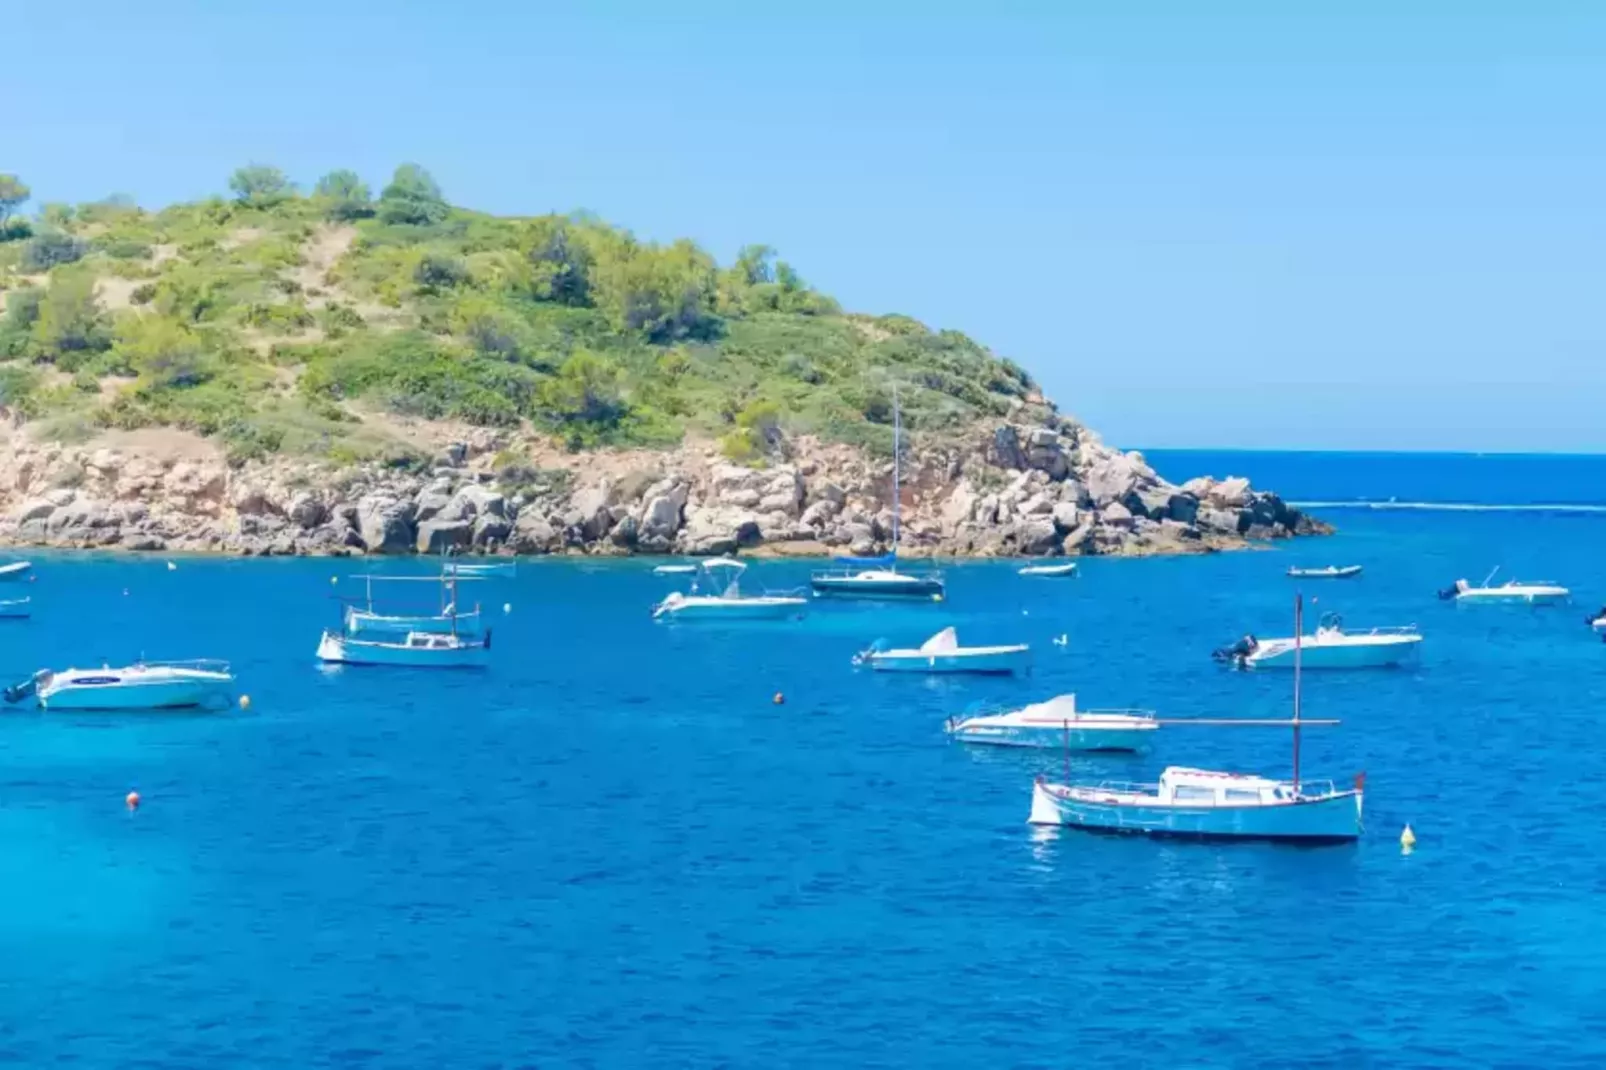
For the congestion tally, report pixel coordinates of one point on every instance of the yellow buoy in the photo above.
(245, 702)
(132, 800)
(1407, 839)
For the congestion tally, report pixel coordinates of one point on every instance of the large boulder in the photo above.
(432, 504)
(80, 520)
(742, 497)
(490, 530)
(625, 532)
(443, 536)
(308, 511)
(589, 516)
(662, 510)
(1004, 450)
(1067, 516)
(826, 491)
(1043, 452)
(714, 529)
(34, 509)
(1036, 535)
(533, 534)
(1113, 476)
(819, 513)
(1116, 515)
(386, 524)
(474, 500)
(1230, 493)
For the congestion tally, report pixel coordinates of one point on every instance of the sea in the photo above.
(637, 844)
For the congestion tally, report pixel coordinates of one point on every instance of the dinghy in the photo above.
(16, 570)
(1331, 572)
(942, 653)
(1208, 804)
(425, 650)
(1330, 648)
(1067, 569)
(674, 570)
(155, 685)
(481, 569)
(1057, 723)
(16, 608)
(723, 576)
(1526, 592)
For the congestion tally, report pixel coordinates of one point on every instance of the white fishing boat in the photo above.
(874, 578)
(431, 650)
(1526, 592)
(364, 618)
(154, 685)
(482, 569)
(674, 570)
(1331, 572)
(942, 653)
(1067, 569)
(722, 577)
(1210, 804)
(15, 570)
(1057, 723)
(16, 608)
(1330, 648)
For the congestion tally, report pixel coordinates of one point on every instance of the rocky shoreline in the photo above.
(997, 489)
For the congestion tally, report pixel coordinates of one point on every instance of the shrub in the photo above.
(412, 198)
(260, 186)
(343, 196)
(51, 248)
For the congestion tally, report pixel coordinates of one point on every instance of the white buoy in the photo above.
(172, 567)
(507, 607)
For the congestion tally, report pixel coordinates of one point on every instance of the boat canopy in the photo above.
(941, 643)
(723, 562)
(1060, 706)
(885, 560)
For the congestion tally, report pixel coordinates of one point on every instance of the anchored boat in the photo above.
(15, 570)
(1057, 723)
(430, 650)
(16, 608)
(1210, 804)
(1598, 621)
(942, 653)
(1330, 648)
(674, 570)
(1331, 572)
(878, 577)
(145, 685)
(1067, 569)
(723, 576)
(1527, 592)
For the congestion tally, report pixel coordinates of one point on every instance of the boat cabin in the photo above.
(1200, 787)
(432, 641)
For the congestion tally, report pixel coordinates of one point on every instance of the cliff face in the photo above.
(995, 488)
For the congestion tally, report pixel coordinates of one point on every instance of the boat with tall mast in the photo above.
(879, 577)
(1209, 804)
(429, 645)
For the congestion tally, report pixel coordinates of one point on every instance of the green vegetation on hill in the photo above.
(275, 320)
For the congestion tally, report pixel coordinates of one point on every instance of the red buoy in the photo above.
(132, 800)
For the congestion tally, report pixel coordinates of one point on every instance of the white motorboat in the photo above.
(1331, 572)
(878, 578)
(722, 575)
(16, 570)
(1330, 648)
(942, 653)
(1526, 592)
(1204, 803)
(482, 569)
(1067, 569)
(16, 608)
(431, 650)
(1058, 723)
(674, 570)
(156, 685)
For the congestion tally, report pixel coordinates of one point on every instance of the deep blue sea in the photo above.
(613, 848)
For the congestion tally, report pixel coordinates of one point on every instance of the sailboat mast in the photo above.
(897, 462)
(1299, 638)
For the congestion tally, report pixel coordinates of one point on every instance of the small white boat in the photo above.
(481, 569)
(674, 570)
(942, 653)
(157, 685)
(1598, 621)
(419, 649)
(1331, 572)
(723, 576)
(1330, 648)
(1204, 804)
(1532, 592)
(15, 608)
(1058, 723)
(1067, 569)
(15, 570)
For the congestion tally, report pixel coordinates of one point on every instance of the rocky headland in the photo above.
(1048, 487)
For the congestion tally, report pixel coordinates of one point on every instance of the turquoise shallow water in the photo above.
(613, 849)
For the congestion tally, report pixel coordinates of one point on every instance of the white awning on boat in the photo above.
(943, 642)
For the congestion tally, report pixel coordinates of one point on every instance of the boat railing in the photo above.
(998, 709)
(850, 573)
(1398, 629)
(201, 664)
(1308, 789)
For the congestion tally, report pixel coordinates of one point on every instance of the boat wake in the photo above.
(1454, 507)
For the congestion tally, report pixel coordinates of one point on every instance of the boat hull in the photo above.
(1071, 736)
(1401, 650)
(160, 695)
(1325, 573)
(904, 586)
(342, 650)
(17, 609)
(999, 661)
(1332, 819)
(1048, 571)
(1538, 597)
(15, 571)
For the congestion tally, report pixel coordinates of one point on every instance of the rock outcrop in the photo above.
(1045, 488)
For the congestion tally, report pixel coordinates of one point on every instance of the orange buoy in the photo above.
(780, 699)
(132, 800)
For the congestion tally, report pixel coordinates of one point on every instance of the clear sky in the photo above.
(1346, 224)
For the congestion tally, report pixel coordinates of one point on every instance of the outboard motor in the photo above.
(1451, 591)
(1598, 616)
(1237, 652)
(23, 689)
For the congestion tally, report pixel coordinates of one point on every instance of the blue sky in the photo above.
(1224, 224)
